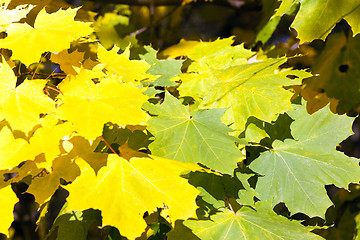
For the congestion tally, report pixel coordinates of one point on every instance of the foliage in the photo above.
(204, 140)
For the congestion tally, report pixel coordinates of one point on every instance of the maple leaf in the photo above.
(22, 105)
(165, 69)
(125, 190)
(245, 89)
(337, 69)
(67, 226)
(51, 32)
(7, 200)
(128, 70)
(14, 15)
(218, 54)
(247, 223)
(196, 137)
(323, 16)
(89, 106)
(13, 151)
(296, 171)
(46, 140)
(43, 187)
(255, 89)
(68, 61)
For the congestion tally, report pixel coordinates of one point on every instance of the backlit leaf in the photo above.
(323, 16)
(249, 224)
(51, 32)
(296, 171)
(89, 106)
(128, 70)
(125, 190)
(12, 151)
(22, 105)
(7, 201)
(196, 137)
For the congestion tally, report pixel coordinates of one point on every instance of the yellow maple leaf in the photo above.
(51, 32)
(21, 106)
(128, 70)
(43, 187)
(47, 140)
(89, 106)
(9, 16)
(125, 190)
(7, 202)
(12, 151)
(68, 61)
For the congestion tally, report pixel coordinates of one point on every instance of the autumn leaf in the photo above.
(46, 140)
(337, 68)
(125, 190)
(7, 200)
(89, 106)
(51, 32)
(245, 89)
(128, 70)
(8, 16)
(22, 105)
(43, 187)
(323, 16)
(68, 61)
(13, 150)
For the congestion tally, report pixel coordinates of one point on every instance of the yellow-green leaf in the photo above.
(128, 70)
(125, 190)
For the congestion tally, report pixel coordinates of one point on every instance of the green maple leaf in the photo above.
(296, 171)
(338, 69)
(323, 16)
(165, 69)
(196, 137)
(249, 224)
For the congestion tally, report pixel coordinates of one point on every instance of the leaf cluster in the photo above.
(211, 141)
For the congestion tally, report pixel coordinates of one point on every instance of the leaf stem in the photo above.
(107, 144)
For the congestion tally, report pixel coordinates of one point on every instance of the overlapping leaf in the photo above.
(338, 69)
(196, 137)
(164, 69)
(51, 32)
(128, 70)
(296, 171)
(323, 16)
(12, 151)
(7, 201)
(255, 89)
(14, 15)
(43, 187)
(22, 105)
(125, 190)
(247, 223)
(46, 140)
(89, 106)
(245, 89)
(68, 61)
